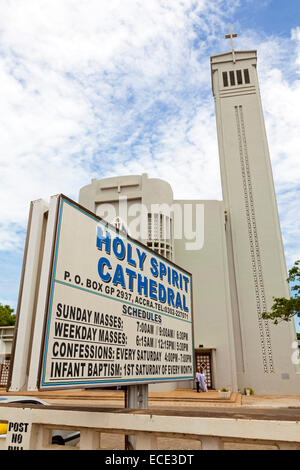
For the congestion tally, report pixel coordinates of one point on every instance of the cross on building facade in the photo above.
(231, 36)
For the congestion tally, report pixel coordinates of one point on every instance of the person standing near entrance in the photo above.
(201, 381)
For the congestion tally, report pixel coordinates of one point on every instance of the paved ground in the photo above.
(181, 398)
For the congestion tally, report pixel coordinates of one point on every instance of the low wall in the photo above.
(146, 426)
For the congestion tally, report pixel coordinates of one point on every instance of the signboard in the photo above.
(118, 313)
(18, 436)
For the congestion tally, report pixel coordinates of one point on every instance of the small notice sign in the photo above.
(18, 435)
(118, 312)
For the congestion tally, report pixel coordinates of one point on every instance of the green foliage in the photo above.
(6, 317)
(224, 390)
(251, 391)
(285, 309)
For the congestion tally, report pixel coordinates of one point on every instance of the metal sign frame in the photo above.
(42, 384)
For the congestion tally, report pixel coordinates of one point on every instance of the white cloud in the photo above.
(295, 36)
(185, 155)
(68, 70)
(280, 87)
(289, 215)
(92, 88)
(9, 236)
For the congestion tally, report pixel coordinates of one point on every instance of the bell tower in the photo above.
(257, 269)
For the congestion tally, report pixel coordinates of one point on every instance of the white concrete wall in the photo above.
(6, 339)
(212, 308)
(249, 198)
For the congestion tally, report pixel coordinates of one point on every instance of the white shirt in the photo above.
(202, 381)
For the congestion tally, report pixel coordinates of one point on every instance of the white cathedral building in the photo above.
(238, 262)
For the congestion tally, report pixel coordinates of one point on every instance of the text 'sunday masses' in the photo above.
(118, 313)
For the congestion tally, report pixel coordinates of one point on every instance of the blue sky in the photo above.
(272, 17)
(91, 88)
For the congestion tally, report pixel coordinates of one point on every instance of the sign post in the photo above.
(96, 309)
(105, 310)
(136, 397)
(100, 308)
(117, 314)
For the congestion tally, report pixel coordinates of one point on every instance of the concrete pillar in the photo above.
(211, 443)
(40, 437)
(288, 446)
(136, 398)
(89, 439)
(145, 441)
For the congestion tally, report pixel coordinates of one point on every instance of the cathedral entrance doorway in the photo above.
(203, 359)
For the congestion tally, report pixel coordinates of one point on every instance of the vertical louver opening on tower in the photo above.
(246, 76)
(232, 78)
(160, 235)
(225, 79)
(239, 77)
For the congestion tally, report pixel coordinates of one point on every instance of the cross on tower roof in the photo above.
(231, 36)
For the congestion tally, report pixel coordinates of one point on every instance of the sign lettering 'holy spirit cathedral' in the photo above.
(227, 276)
